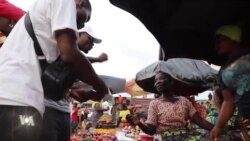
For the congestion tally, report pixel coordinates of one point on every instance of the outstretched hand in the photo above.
(103, 57)
(215, 133)
(83, 92)
(133, 119)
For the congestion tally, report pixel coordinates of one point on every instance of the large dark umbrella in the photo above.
(193, 76)
(185, 28)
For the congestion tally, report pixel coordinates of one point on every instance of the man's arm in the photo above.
(101, 58)
(93, 59)
(71, 55)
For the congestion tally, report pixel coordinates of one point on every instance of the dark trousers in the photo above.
(19, 123)
(56, 125)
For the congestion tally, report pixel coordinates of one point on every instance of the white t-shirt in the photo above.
(105, 105)
(20, 75)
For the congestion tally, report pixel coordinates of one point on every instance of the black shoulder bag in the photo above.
(56, 77)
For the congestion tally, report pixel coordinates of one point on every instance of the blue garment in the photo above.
(236, 76)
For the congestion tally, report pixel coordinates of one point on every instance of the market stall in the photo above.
(108, 127)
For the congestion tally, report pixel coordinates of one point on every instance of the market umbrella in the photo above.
(185, 28)
(193, 76)
(115, 84)
(133, 89)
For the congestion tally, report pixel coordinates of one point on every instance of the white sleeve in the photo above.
(63, 15)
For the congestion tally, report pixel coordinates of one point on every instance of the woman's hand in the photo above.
(215, 133)
(133, 119)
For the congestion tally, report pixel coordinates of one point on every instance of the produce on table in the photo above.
(106, 118)
(131, 132)
(105, 131)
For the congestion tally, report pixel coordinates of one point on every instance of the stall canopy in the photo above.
(185, 28)
(193, 76)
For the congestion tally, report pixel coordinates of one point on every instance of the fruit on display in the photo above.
(75, 139)
(97, 135)
(105, 131)
(131, 132)
(107, 138)
(106, 119)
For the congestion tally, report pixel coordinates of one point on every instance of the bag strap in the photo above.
(29, 27)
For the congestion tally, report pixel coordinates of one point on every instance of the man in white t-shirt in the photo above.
(56, 119)
(55, 24)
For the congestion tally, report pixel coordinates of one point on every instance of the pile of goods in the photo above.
(75, 139)
(105, 131)
(101, 138)
(97, 135)
(106, 121)
(131, 132)
(105, 118)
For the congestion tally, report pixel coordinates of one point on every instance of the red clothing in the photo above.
(202, 111)
(74, 116)
(10, 11)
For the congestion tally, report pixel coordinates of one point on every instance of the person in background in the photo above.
(55, 23)
(86, 42)
(122, 114)
(168, 113)
(97, 112)
(120, 99)
(74, 118)
(209, 102)
(233, 41)
(9, 15)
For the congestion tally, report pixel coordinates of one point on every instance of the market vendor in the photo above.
(97, 112)
(233, 42)
(122, 114)
(169, 112)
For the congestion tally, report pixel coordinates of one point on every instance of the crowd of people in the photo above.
(59, 25)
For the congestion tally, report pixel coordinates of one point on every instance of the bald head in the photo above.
(84, 9)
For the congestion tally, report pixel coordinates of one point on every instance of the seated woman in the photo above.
(168, 112)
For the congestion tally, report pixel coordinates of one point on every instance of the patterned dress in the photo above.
(167, 115)
(236, 76)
